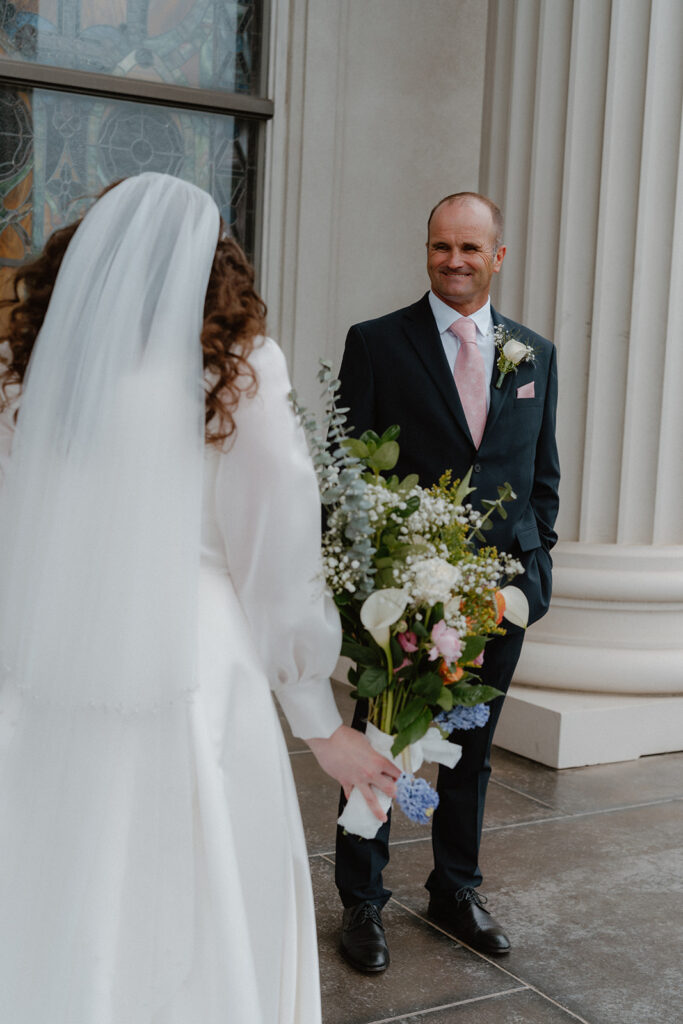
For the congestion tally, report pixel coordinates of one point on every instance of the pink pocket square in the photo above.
(526, 390)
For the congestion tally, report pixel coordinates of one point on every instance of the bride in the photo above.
(159, 573)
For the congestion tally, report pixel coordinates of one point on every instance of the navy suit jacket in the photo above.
(395, 370)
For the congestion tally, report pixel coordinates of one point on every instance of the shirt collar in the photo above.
(445, 315)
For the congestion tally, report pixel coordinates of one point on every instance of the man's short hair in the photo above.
(496, 213)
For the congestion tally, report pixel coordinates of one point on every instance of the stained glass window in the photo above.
(59, 148)
(206, 44)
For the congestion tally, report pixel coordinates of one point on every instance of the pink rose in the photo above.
(408, 641)
(446, 643)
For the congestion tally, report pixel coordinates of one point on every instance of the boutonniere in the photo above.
(511, 352)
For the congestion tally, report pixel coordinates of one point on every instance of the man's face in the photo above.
(461, 257)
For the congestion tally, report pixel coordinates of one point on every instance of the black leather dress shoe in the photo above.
(462, 914)
(362, 943)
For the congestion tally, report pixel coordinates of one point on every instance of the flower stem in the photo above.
(388, 712)
(501, 378)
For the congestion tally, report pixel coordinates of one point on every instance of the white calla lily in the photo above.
(381, 610)
(516, 606)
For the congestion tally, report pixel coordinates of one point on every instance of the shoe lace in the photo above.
(367, 912)
(468, 895)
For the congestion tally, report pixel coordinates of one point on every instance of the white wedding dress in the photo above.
(265, 622)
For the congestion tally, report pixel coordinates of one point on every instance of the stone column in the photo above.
(582, 148)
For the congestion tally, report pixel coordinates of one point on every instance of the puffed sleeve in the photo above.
(268, 508)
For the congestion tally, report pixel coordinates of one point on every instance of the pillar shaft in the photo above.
(582, 145)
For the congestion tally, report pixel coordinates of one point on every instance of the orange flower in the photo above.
(448, 676)
(500, 607)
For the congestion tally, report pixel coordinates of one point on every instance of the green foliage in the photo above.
(372, 543)
(445, 699)
(372, 681)
(469, 694)
(429, 687)
(472, 648)
(360, 654)
(413, 731)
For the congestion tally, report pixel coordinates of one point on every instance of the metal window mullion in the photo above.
(89, 83)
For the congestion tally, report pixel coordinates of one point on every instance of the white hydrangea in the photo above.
(434, 580)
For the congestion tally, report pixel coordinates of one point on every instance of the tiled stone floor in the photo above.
(584, 868)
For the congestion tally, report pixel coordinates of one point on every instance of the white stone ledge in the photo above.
(567, 730)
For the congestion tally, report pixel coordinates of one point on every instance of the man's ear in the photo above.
(498, 258)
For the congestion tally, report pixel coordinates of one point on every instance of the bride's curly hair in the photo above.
(234, 315)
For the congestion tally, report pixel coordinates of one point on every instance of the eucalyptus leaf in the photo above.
(370, 435)
(355, 447)
(391, 433)
(408, 482)
(385, 457)
(464, 489)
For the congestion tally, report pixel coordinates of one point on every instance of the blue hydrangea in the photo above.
(461, 717)
(416, 798)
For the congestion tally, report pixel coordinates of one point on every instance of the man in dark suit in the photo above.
(431, 368)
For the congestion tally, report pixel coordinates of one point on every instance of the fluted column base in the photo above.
(601, 676)
(615, 624)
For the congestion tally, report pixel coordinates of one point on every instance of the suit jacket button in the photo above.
(477, 467)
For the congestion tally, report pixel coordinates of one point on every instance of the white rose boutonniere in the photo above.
(511, 352)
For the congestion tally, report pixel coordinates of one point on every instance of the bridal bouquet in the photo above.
(417, 598)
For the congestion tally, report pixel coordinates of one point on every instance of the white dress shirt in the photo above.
(445, 316)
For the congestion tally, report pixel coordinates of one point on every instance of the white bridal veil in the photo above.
(99, 556)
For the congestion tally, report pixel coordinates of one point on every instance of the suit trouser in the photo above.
(457, 822)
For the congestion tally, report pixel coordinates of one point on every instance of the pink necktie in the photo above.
(470, 377)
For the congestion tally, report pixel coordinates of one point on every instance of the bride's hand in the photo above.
(348, 757)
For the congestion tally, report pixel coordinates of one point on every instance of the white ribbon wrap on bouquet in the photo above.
(357, 817)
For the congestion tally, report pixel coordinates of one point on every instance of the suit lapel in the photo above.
(421, 330)
(497, 396)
